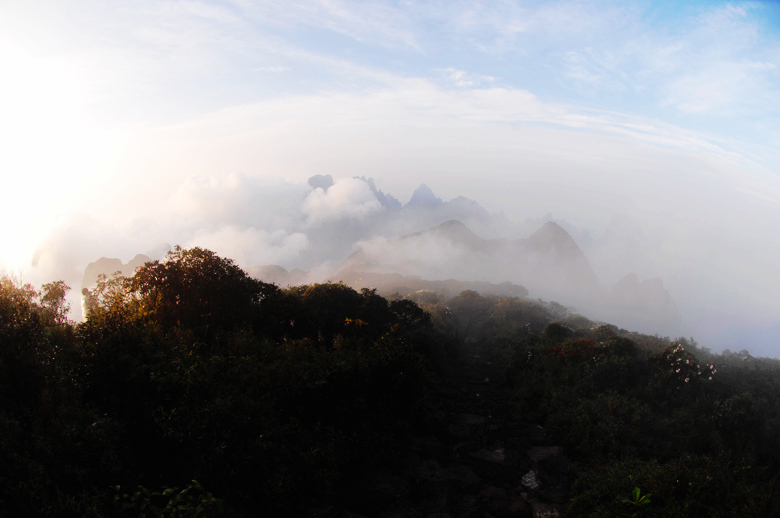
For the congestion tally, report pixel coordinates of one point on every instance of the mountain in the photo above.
(278, 275)
(394, 284)
(554, 264)
(423, 197)
(386, 200)
(428, 240)
(321, 181)
(551, 239)
(643, 305)
(447, 250)
(108, 266)
(549, 262)
(456, 233)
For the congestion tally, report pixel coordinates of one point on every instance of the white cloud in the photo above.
(463, 79)
(601, 107)
(349, 198)
(370, 22)
(274, 69)
(251, 246)
(239, 199)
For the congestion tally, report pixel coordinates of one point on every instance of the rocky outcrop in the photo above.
(423, 197)
(109, 266)
(555, 264)
(321, 181)
(387, 201)
(479, 459)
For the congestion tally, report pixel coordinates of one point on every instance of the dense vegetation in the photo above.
(700, 437)
(195, 390)
(192, 371)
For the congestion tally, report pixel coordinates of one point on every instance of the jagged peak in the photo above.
(320, 181)
(457, 233)
(423, 197)
(388, 201)
(551, 237)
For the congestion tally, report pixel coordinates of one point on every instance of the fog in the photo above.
(700, 220)
(699, 269)
(648, 133)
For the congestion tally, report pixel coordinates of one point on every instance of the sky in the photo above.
(651, 128)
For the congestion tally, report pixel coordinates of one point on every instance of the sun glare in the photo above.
(49, 148)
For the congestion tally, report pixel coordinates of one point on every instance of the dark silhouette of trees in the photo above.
(196, 289)
(194, 388)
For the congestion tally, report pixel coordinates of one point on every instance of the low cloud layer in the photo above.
(648, 132)
(724, 295)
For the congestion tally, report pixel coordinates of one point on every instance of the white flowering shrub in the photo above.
(676, 367)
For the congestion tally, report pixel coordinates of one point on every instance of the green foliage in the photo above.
(170, 502)
(646, 416)
(196, 289)
(636, 501)
(191, 370)
(689, 485)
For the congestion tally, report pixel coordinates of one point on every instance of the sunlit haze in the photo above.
(650, 131)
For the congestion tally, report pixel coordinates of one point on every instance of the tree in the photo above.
(197, 289)
(54, 302)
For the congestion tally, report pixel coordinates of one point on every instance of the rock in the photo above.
(498, 455)
(471, 419)
(332, 512)
(495, 498)
(429, 470)
(320, 181)
(529, 480)
(466, 506)
(390, 490)
(549, 458)
(554, 494)
(427, 447)
(432, 494)
(474, 453)
(461, 476)
(461, 431)
(517, 504)
(545, 510)
(492, 493)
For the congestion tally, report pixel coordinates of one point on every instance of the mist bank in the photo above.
(634, 272)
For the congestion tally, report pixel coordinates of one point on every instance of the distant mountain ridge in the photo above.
(431, 244)
(549, 263)
(550, 254)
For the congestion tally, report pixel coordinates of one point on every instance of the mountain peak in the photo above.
(552, 236)
(456, 233)
(320, 181)
(388, 201)
(424, 197)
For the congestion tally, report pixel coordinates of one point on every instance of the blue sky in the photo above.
(665, 112)
(707, 66)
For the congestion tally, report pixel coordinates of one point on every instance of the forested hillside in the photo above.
(193, 389)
